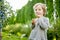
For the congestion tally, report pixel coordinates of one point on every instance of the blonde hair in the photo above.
(43, 7)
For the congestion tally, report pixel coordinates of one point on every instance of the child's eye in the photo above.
(35, 9)
(39, 9)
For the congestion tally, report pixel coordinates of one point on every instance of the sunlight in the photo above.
(17, 4)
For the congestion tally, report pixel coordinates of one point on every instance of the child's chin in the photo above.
(38, 15)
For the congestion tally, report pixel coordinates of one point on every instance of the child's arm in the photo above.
(33, 23)
(44, 24)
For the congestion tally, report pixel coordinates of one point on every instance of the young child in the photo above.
(40, 23)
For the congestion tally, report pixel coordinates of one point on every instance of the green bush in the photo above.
(54, 31)
(18, 29)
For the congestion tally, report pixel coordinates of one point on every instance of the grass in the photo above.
(9, 36)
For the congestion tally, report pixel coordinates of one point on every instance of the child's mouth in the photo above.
(38, 13)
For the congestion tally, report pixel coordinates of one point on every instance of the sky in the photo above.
(17, 4)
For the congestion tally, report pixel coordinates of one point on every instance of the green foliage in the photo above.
(19, 25)
(57, 28)
(1, 5)
(10, 17)
(49, 4)
(54, 31)
(9, 36)
(18, 28)
(26, 13)
(58, 7)
(17, 31)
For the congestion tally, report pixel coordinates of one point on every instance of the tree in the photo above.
(26, 13)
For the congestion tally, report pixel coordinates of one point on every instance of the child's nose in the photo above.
(37, 11)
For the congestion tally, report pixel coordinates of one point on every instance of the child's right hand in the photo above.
(33, 21)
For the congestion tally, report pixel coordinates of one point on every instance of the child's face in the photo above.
(38, 11)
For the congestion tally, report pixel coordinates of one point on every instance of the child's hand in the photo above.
(33, 21)
(38, 16)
